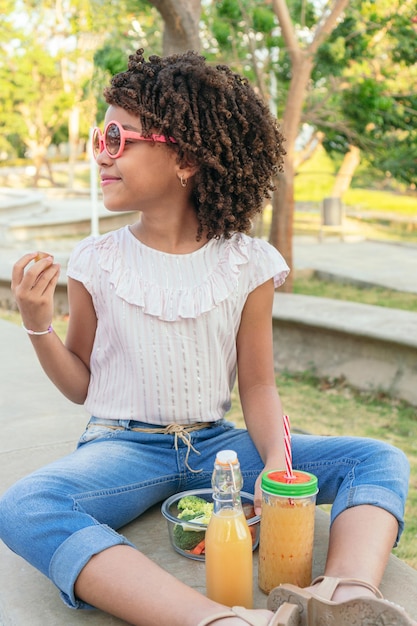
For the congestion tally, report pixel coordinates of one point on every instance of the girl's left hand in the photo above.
(258, 493)
(258, 490)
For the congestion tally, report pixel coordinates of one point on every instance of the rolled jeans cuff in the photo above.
(73, 555)
(373, 495)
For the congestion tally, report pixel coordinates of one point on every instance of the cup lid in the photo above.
(277, 483)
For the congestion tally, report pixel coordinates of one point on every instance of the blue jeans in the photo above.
(61, 515)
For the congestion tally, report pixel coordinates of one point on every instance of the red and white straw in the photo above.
(288, 454)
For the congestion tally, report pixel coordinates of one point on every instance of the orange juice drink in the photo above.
(287, 532)
(229, 573)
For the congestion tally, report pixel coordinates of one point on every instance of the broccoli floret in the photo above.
(187, 539)
(195, 508)
(195, 503)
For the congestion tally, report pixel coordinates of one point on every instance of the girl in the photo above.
(162, 315)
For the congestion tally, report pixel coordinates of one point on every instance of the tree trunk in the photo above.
(181, 24)
(281, 232)
(40, 159)
(302, 63)
(346, 172)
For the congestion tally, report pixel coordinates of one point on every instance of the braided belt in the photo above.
(180, 431)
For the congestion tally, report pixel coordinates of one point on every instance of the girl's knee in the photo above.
(24, 504)
(390, 468)
(394, 460)
(15, 504)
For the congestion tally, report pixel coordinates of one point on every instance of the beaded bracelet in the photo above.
(37, 332)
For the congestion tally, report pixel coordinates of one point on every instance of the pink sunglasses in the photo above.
(113, 139)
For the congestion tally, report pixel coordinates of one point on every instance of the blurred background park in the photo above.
(341, 77)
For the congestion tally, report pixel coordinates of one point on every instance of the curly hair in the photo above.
(220, 125)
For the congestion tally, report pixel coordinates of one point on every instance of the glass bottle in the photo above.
(229, 563)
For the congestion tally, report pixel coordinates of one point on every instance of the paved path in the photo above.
(385, 264)
(369, 262)
(389, 265)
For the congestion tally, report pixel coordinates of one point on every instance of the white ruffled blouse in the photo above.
(165, 346)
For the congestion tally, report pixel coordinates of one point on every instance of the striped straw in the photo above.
(288, 454)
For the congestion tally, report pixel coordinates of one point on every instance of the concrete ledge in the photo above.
(41, 232)
(12, 200)
(373, 347)
(27, 597)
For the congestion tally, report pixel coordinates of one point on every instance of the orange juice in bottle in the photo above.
(228, 550)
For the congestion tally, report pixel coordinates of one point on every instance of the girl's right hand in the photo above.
(33, 288)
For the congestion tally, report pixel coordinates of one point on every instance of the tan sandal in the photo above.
(317, 607)
(286, 615)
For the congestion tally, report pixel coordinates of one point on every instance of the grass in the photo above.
(379, 296)
(373, 213)
(329, 407)
(382, 201)
(367, 227)
(315, 179)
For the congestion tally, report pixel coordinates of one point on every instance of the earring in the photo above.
(183, 181)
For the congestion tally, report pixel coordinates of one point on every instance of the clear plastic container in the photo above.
(170, 511)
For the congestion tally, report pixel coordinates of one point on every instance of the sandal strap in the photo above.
(329, 584)
(286, 614)
(213, 618)
(249, 616)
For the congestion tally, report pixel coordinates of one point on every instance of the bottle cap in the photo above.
(277, 483)
(225, 457)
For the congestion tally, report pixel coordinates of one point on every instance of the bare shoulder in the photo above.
(258, 306)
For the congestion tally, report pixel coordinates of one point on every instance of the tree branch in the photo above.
(326, 24)
(287, 28)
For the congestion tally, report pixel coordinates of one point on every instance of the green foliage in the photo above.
(365, 70)
(404, 45)
(35, 104)
(336, 52)
(223, 34)
(263, 20)
(108, 61)
(355, 96)
(361, 90)
(230, 10)
(370, 91)
(303, 14)
(399, 157)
